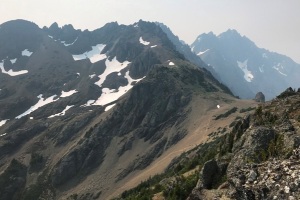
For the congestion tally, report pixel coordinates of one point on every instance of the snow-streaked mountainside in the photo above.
(184, 49)
(245, 68)
(83, 112)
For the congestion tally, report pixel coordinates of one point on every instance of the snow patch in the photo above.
(171, 63)
(42, 102)
(109, 107)
(3, 134)
(88, 103)
(278, 67)
(2, 122)
(264, 55)
(192, 49)
(248, 76)
(110, 95)
(218, 106)
(67, 94)
(261, 69)
(144, 42)
(26, 53)
(11, 72)
(13, 61)
(202, 52)
(62, 112)
(64, 43)
(94, 55)
(153, 46)
(50, 36)
(78, 74)
(92, 76)
(111, 66)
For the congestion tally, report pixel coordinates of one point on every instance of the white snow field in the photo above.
(92, 76)
(110, 95)
(88, 103)
(143, 42)
(2, 122)
(13, 61)
(248, 76)
(42, 102)
(26, 53)
(94, 55)
(3, 134)
(62, 113)
(109, 107)
(202, 52)
(11, 72)
(67, 94)
(171, 63)
(111, 66)
(66, 44)
(278, 67)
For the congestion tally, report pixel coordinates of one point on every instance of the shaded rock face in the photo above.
(208, 173)
(12, 181)
(142, 120)
(260, 97)
(12, 42)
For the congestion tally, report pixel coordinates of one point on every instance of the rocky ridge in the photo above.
(264, 159)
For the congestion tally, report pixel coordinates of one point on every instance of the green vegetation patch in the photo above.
(227, 113)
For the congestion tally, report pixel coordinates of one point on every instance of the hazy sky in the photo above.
(271, 24)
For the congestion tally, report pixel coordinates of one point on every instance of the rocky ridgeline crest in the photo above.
(264, 158)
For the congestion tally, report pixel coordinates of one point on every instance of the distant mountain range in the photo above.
(245, 68)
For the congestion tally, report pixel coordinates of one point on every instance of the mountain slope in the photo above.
(254, 155)
(92, 109)
(245, 68)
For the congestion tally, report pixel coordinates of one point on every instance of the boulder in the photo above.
(260, 97)
(208, 173)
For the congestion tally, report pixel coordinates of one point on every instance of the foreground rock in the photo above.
(262, 152)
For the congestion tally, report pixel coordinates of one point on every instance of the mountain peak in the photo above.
(251, 67)
(230, 33)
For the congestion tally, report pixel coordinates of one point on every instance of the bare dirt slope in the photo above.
(199, 123)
